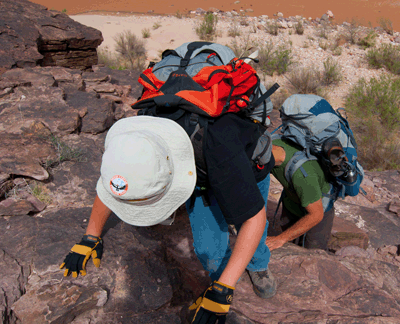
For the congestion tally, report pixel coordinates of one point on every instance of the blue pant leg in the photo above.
(210, 235)
(260, 259)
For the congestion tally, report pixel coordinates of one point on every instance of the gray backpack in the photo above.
(310, 122)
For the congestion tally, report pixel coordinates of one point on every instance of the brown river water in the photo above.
(364, 11)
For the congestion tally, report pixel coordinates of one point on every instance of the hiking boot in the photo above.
(264, 284)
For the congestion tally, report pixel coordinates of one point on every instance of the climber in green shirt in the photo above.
(303, 219)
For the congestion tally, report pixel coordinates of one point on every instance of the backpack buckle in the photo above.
(194, 119)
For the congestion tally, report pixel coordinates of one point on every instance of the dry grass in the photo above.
(131, 50)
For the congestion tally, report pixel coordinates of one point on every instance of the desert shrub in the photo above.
(131, 50)
(323, 44)
(332, 73)
(352, 31)
(145, 33)
(272, 27)
(178, 14)
(337, 50)
(381, 153)
(234, 28)
(369, 40)
(274, 58)
(324, 29)
(206, 30)
(305, 80)
(375, 114)
(378, 98)
(242, 46)
(387, 25)
(156, 25)
(106, 58)
(299, 27)
(386, 55)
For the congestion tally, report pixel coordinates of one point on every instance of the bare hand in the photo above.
(274, 242)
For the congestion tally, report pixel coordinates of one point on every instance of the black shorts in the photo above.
(318, 236)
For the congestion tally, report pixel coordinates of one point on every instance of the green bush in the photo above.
(387, 55)
(332, 73)
(274, 58)
(207, 29)
(374, 108)
(368, 40)
(378, 98)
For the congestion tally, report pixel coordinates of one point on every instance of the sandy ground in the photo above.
(366, 10)
(172, 33)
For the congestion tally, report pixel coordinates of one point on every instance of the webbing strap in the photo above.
(277, 208)
(191, 48)
(296, 162)
(268, 93)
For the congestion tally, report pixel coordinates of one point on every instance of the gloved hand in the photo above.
(80, 253)
(213, 304)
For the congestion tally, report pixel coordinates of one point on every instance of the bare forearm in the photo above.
(246, 244)
(315, 214)
(98, 217)
(303, 225)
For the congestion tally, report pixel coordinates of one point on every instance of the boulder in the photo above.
(346, 233)
(315, 287)
(31, 35)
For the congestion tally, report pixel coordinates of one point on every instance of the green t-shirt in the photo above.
(306, 189)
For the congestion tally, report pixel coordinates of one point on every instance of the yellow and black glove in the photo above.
(75, 261)
(213, 304)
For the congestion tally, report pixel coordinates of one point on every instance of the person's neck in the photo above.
(279, 154)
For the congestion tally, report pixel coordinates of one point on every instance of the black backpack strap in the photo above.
(191, 48)
(168, 52)
(268, 93)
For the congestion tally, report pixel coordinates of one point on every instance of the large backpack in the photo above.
(309, 121)
(200, 81)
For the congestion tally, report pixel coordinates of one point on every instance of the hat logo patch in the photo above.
(118, 185)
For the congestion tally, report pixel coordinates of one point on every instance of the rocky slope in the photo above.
(53, 122)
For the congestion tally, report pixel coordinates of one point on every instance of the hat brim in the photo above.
(184, 175)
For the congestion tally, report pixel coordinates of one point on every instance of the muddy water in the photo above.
(365, 11)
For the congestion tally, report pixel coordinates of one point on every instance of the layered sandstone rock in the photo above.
(31, 35)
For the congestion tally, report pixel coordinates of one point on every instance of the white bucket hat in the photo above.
(147, 170)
